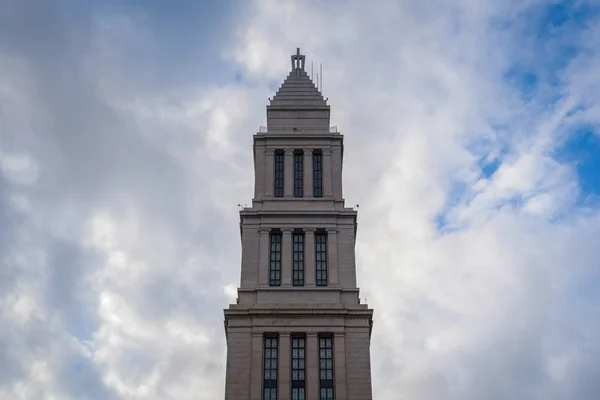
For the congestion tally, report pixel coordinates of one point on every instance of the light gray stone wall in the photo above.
(250, 256)
(238, 368)
(352, 368)
(331, 144)
(255, 228)
(260, 167)
(256, 373)
(285, 120)
(346, 256)
(312, 366)
(339, 364)
(358, 365)
(284, 368)
(336, 170)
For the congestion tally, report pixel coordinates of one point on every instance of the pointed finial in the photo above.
(297, 61)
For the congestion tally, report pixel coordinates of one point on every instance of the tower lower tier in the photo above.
(317, 353)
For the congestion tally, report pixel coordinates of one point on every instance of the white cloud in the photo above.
(451, 311)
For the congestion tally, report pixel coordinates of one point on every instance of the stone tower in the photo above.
(298, 330)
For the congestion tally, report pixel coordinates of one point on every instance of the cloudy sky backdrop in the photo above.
(472, 147)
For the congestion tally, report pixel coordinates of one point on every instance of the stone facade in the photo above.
(298, 123)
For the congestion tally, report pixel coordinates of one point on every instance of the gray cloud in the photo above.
(122, 161)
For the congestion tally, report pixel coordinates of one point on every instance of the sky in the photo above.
(472, 145)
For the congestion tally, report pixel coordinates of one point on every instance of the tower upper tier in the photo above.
(298, 105)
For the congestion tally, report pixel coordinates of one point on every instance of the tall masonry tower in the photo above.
(298, 330)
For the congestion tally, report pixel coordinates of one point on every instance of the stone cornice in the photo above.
(301, 289)
(301, 313)
(298, 135)
(298, 107)
(316, 212)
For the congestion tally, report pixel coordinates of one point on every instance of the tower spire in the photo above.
(298, 61)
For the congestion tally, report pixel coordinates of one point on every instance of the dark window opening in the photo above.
(321, 258)
(298, 368)
(298, 259)
(278, 174)
(298, 173)
(275, 260)
(270, 368)
(326, 368)
(317, 174)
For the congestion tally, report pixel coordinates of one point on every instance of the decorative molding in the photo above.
(331, 230)
(269, 152)
(276, 315)
(310, 230)
(267, 313)
(287, 230)
(289, 152)
(326, 152)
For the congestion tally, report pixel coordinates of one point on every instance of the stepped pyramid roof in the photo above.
(298, 105)
(298, 90)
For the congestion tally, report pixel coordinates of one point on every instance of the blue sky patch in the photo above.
(582, 148)
(489, 168)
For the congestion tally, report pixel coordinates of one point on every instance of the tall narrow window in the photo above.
(298, 368)
(298, 259)
(275, 260)
(321, 258)
(326, 368)
(278, 174)
(317, 174)
(298, 172)
(270, 368)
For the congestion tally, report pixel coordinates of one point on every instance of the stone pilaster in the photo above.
(309, 257)
(332, 257)
(288, 173)
(308, 173)
(286, 257)
(339, 365)
(269, 172)
(259, 172)
(312, 366)
(238, 376)
(336, 172)
(263, 265)
(257, 367)
(327, 190)
(283, 390)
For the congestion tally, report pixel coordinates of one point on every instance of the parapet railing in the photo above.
(263, 129)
